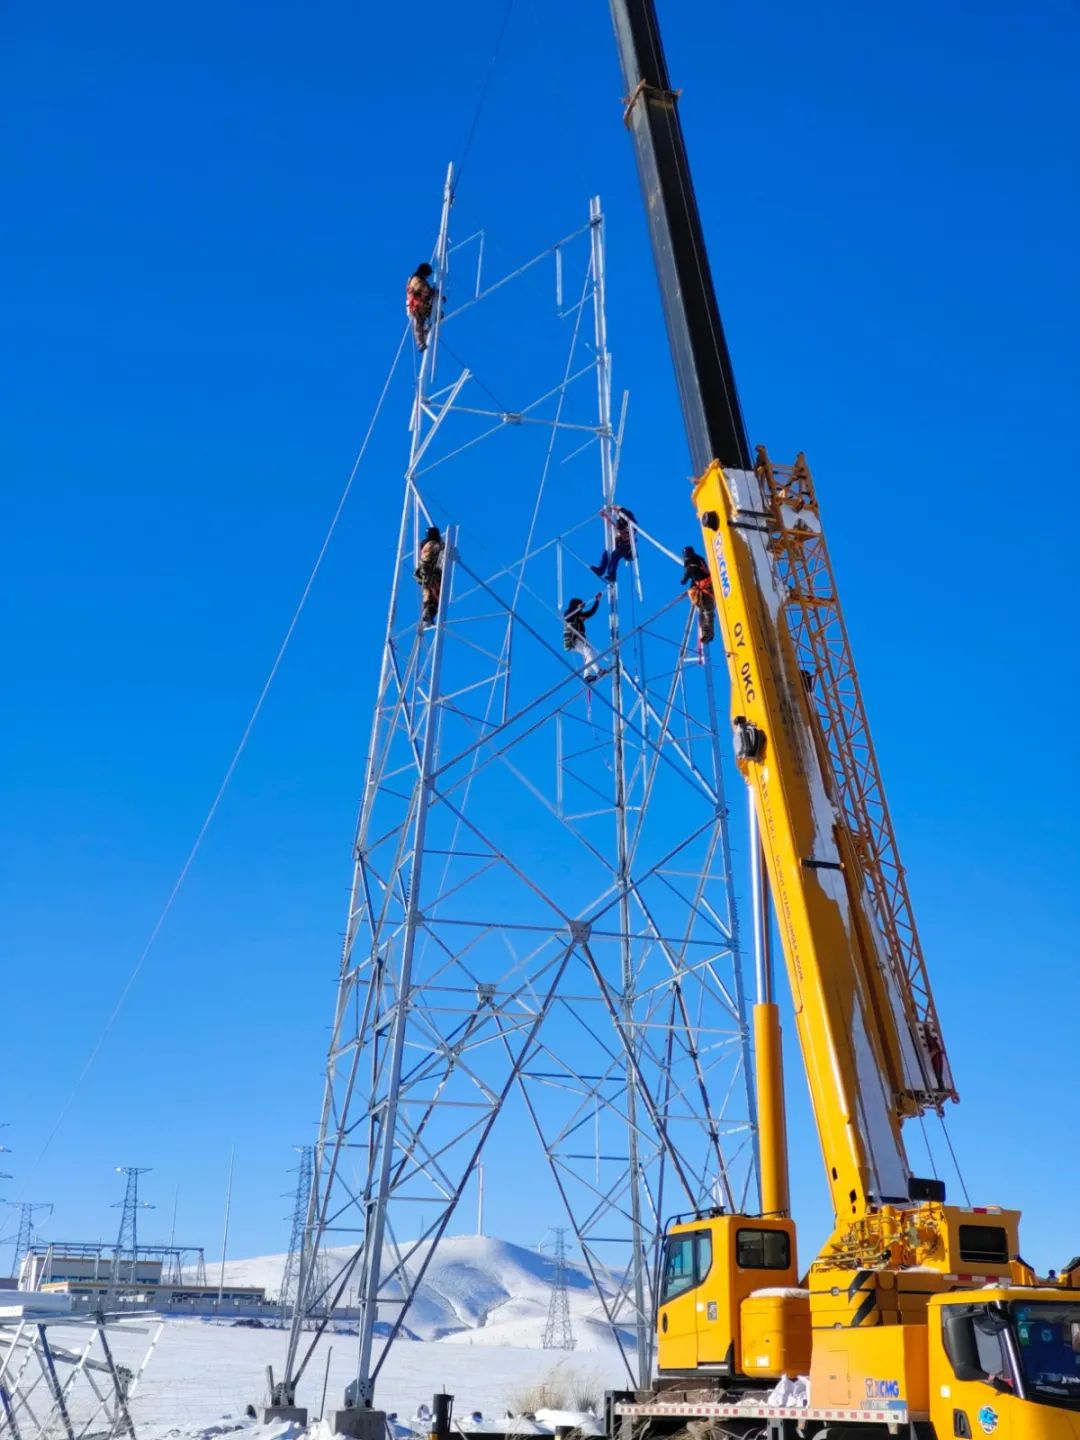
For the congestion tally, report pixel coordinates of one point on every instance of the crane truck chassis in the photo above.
(917, 1318)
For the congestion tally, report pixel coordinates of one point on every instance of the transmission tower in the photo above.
(127, 1242)
(541, 914)
(25, 1237)
(296, 1230)
(558, 1332)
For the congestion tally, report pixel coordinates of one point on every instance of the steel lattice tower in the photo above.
(127, 1241)
(542, 913)
(301, 1200)
(316, 1274)
(25, 1235)
(558, 1332)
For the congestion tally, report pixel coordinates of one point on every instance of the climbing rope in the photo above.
(482, 97)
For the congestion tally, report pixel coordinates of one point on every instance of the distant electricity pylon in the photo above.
(541, 918)
(25, 1236)
(316, 1299)
(127, 1242)
(558, 1332)
(301, 1200)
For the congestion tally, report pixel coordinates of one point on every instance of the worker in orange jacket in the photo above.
(420, 297)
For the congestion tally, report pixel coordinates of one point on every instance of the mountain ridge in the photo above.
(476, 1290)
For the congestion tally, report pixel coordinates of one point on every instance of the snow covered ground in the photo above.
(203, 1373)
(475, 1331)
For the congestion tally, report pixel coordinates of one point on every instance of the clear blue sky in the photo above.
(209, 213)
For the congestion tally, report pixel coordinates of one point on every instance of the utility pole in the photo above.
(127, 1242)
(225, 1232)
(558, 1332)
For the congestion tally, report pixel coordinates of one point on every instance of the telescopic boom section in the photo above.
(706, 380)
(868, 1056)
(865, 1014)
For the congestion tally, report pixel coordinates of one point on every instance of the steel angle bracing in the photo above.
(541, 914)
(59, 1375)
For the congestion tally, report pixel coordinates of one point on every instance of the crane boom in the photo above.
(710, 403)
(864, 1010)
(861, 1057)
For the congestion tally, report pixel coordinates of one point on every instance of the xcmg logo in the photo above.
(721, 565)
(883, 1389)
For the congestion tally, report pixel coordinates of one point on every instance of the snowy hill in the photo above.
(477, 1290)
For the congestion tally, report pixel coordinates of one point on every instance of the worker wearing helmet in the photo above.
(574, 637)
(700, 594)
(420, 296)
(429, 574)
(623, 548)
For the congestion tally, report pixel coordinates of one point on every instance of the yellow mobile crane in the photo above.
(917, 1317)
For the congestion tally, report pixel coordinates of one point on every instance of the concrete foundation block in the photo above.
(359, 1423)
(271, 1413)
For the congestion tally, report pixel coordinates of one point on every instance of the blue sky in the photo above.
(209, 216)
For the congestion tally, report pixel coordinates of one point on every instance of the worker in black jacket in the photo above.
(574, 637)
(700, 594)
(429, 574)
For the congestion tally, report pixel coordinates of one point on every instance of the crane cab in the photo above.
(1005, 1360)
(729, 1301)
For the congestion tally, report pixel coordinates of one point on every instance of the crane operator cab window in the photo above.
(1033, 1347)
(1048, 1348)
(762, 1249)
(974, 1339)
(687, 1261)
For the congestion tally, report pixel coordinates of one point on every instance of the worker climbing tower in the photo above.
(541, 927)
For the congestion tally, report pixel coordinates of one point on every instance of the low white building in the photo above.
(89, 1275)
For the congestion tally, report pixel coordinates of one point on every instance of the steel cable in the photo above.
(229, 770)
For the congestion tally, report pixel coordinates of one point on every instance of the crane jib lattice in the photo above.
(823, 651)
